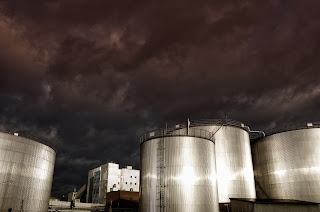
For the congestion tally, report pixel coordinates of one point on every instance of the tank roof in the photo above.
(287, 127)
(32, 138)
(291, 127)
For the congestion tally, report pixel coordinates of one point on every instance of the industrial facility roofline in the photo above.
(32, 138)
(159, 133)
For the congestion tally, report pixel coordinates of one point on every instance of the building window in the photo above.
(131, 189)
(135, 183)
(96, 187)
(130, 176)
(130, 183)
(135, 177)
(126, 183)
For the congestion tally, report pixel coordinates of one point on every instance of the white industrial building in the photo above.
(109, 177)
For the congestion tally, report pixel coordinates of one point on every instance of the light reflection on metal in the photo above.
(280, 172)
(190, 178)
(287, 164)
(233, 154)
(26, 167)
(233, 158)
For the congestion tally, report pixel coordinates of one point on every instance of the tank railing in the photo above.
(176, 127)
(224, 122)
(292, 126)
(213, 133)
(208, 122)
(158, 133)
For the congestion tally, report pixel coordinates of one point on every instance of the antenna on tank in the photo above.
(225, 119)
(166, 130)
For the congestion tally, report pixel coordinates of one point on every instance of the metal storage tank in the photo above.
(26, 171)
(287, 162)
(177, 172)
(235, 176)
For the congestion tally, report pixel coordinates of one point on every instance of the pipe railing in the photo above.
(209, 122)
(192, 132)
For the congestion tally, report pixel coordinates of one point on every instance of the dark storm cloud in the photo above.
(93, 75)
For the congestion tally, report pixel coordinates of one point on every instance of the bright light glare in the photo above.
(188, 176)
(280, 172)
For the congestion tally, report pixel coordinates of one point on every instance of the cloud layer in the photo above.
(93, 75)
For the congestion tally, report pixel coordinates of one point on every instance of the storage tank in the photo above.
(177, 172)
(26, 171)
(235, 176)
(287, 162)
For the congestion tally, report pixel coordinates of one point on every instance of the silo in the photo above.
(235, 176)
(26, 171)
(177, 172)
(287, 162)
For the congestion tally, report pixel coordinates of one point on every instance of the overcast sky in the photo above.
(92, 75)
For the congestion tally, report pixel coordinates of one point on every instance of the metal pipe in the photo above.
(258, 131)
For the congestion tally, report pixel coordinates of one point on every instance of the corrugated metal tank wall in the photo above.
(233, 158)
(189, 175)
(148, 176)
(287, 165)
(26, 172)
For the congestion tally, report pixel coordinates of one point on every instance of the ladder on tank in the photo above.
(213, 132)
(160, 175)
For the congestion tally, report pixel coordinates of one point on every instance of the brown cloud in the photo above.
(117, 68)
